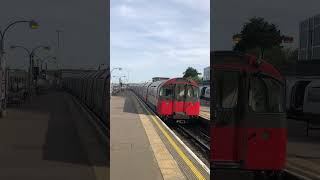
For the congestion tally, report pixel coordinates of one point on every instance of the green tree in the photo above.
(193, 74)
(278, 56)
(258, 34)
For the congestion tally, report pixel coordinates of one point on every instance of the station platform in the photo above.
(50, 138)
(205, 112)
(303, 151)
(205, 109)
(143, 148)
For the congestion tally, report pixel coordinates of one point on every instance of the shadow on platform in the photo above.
(62, 141)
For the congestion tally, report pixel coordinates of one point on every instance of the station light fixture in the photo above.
(236, 38)
(33, 24)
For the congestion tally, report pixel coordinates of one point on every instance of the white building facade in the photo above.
(309, 34)
(206, 74)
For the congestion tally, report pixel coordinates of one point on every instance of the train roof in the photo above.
(181, 81)
(157, 83)
(169, 82)
(238, 60)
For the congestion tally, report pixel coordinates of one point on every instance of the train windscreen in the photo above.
(192, 92)
(227, 94)
(265, 95)
(179, 92)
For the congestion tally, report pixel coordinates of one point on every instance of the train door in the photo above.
(191, 101)
(263, 127)
(179, 100)
(225, 132)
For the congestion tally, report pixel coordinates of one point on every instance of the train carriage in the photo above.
(249, 128)
(173, 99)
(302, 98)
(311, 102)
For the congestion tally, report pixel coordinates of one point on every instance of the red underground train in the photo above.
(248, 132)
(174, 99)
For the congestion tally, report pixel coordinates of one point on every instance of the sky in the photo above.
(85, 26)
(228, 17)
(152, 38)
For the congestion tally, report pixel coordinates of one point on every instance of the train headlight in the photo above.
(265, 135)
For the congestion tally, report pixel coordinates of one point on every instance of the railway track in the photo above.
(196, 135)
(199, 136)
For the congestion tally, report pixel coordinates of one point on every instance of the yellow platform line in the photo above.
(189, 163)
(168, 166)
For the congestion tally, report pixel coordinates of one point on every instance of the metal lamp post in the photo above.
(118, 68)
(46, 59)
(33, 25)
(31, 55)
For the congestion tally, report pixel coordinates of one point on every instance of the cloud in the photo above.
(126, 11)
(160, 38)
(196, 4)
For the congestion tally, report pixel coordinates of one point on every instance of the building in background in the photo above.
(206, 77)
(309, 46)
(301, 76)
(206, 74)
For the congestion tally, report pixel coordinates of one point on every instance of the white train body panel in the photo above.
(311, 103)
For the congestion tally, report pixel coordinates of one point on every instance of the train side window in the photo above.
(166, 92)
(161, 92)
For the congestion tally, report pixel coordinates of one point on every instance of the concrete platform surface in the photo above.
(42, 140)
(143, 148)
(303, 151)
(131, 154)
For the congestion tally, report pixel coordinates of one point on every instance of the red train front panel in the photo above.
(178, 106)
(257, 148)
(266, 148)
(181, 97)
(192, 108)
(186, 100)
(165, 107)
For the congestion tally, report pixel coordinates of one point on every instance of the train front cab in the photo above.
(179, 99)
(248, 132)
